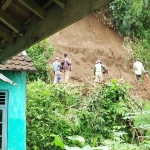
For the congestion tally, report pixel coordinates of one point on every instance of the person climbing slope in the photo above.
(57, 71)
(98, 72)
(146, 77)
(65, 63)
(138, 69)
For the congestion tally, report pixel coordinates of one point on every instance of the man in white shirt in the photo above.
(138, 69)
(98, 72)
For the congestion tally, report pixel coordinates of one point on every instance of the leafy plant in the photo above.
(47, 113)
(39, 54)
(63, 110)
(131, 17)
(59, 142)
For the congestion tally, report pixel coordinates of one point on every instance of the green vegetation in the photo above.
(40, 53)
(103, 116)
(132, 19)
(80, 117)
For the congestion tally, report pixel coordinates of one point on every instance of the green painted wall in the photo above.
(16, 138)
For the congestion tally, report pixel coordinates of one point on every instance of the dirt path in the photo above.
(89, 40)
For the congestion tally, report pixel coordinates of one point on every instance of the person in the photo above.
(57, 71)
(138, 69)
(65, 63)
(59, 78)
(98, 72)
(146, 77)
(58, 75)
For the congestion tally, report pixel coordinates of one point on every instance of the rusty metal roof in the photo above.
(19, 62)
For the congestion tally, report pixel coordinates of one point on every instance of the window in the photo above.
(3, 119)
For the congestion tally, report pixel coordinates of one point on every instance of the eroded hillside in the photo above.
(89, 40)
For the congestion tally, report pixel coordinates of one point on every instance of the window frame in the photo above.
(4, 109)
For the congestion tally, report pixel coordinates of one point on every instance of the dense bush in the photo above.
(48, 113)
(132, 19)
(39, 54)
(142, 51)
(64, 111)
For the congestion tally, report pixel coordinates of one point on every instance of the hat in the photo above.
(56, 58)
(137, 59)
(98, 61)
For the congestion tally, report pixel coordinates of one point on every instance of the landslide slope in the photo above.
(89, 40)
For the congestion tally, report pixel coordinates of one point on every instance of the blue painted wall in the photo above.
(16, 138)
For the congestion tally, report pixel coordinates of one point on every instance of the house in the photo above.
(13, 102)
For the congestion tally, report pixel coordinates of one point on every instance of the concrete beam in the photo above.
(56, 19)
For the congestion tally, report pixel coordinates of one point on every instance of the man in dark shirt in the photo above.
(65, 67)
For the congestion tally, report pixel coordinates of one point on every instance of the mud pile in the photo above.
(89, 40)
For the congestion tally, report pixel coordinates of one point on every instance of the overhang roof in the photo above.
(17, 15)
(25, 22)
(19, 62)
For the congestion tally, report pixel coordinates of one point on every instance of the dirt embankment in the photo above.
(89, 40)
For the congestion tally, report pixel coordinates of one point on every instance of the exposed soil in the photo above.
(89, 40)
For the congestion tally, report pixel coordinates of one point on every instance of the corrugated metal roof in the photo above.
(19, 62)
